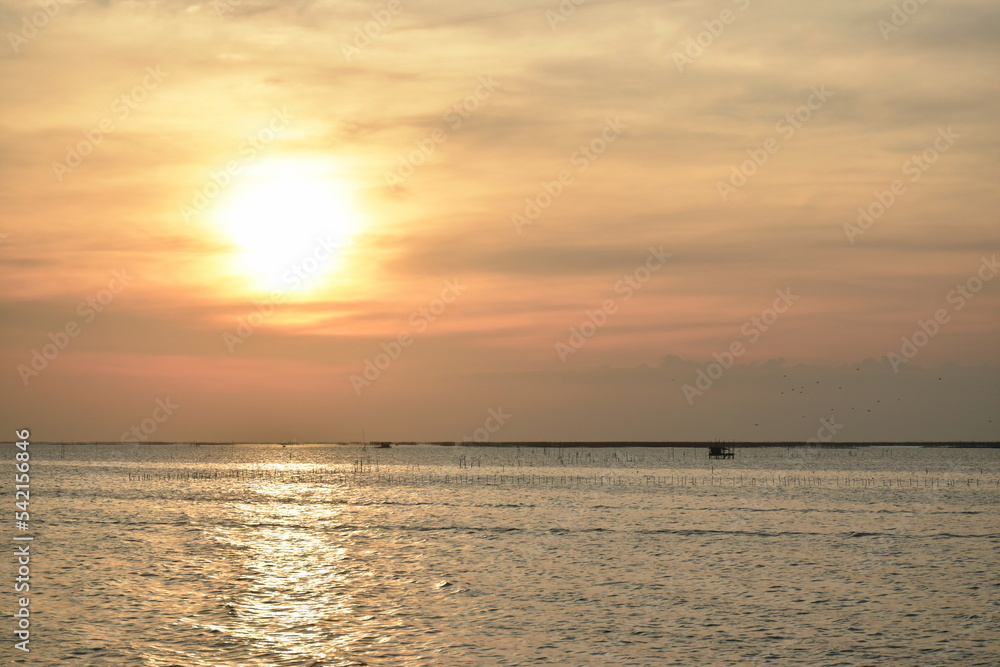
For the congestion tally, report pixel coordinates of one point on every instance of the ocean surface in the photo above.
(262, 555)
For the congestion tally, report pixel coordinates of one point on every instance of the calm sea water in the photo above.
(255, 555)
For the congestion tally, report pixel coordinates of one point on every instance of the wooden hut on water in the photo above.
(719, 452)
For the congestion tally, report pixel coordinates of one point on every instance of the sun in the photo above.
(289, 220)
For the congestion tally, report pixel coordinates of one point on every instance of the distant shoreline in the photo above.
(580, 444)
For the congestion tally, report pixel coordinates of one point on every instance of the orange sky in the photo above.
(569, 214)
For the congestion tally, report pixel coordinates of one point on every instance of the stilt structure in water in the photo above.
(718, 452)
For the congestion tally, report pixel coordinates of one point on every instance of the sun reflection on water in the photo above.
(293, 584)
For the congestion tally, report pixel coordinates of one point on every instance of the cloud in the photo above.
(656, 184)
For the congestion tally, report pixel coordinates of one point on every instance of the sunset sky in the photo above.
(297, 220)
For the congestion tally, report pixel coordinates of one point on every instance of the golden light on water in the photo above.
(289, 220)
(291, 595)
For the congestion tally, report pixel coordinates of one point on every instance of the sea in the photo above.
(192, 555)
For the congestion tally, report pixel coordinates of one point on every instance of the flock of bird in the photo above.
(791, 389)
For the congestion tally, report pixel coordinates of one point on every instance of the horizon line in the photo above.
(547, 443)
